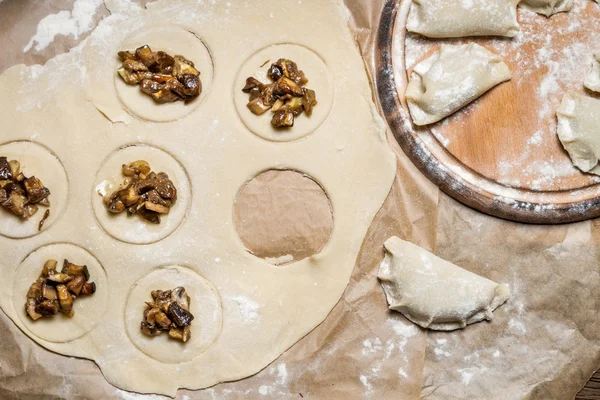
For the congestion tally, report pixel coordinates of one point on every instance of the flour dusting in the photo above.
(67, 23)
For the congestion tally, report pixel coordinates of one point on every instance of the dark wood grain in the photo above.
(452, 170)
(591, 391)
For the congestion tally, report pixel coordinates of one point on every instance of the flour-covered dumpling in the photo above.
(460, 18)
(579, 130)
(434, 293)
(450, 79)
(547, 7)
(593, 80)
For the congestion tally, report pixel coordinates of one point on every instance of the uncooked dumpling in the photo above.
(450, 79)
(547, 7)
(593, 80)
(579, 130)
(434, 293)
(459, 18)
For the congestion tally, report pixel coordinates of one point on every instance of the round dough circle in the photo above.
(89, 310)
(320, 80)
(40, 162)
(174, 40)
(134, 229)
(265, 219)
(205, 305)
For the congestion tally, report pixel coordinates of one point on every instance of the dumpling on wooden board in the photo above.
(593, 80)
(450, 79)
(434, 293)
(579, 130)
(461, 18)
(547, 7)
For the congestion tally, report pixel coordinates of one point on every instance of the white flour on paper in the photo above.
(67, 23)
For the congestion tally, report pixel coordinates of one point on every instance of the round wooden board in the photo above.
(500, 155)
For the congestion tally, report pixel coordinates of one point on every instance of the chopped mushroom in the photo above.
(286, 96)
(20, 194)
(168, 311)
(55, 292)
(144, 193)
(164, 78)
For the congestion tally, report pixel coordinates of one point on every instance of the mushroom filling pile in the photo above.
(56, 291)
(166, 79)
(169, 311)
(20, 194)
(143, 192)
(286, 96)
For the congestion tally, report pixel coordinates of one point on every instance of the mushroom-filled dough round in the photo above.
(250, 311)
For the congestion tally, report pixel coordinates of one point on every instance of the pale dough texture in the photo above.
(434, 293)
(450, 79)
(593, 80)
(72, 104)
(547, 7)
(579, 130)
(460, 18)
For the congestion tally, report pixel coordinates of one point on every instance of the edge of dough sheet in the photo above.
(265, 309)
(434, 293)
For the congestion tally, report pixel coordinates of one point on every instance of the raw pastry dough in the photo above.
(579, 130)
(547, 7)
(593, 80)
(460, 18)
(450, 79)
(265, 309)
(434, 293)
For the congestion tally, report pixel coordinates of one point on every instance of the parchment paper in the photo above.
(544, 344)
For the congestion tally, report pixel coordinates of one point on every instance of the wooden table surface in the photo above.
(591, 391)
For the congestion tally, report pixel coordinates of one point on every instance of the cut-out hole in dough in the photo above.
(36, 161)
(174, 40)
(134, 229)
(89, 310)
(320, 80)
(299, 222)
(205, 305)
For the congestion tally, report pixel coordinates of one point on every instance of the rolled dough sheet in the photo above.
(251, 311)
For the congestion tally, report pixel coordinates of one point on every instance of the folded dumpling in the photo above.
(450, 79)
(547, 7)
(593, 80)
(579, 130)
(434, 293)
(460, 18)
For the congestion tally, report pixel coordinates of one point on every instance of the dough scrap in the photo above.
(450, 79)
(547, 7)
(460, 18)
(434, 293)
(593, 80)
(265, 309)
(579, 130)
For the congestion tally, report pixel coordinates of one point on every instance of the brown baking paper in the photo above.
(543, 344)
